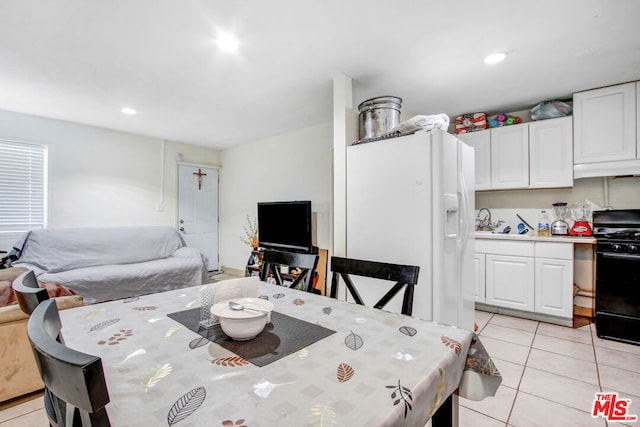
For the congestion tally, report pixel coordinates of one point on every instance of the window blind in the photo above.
(23, 186)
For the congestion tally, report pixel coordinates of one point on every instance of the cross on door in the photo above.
(200, 174)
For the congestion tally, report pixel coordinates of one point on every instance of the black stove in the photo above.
(622, 235)
(617, 234)
(619, 244)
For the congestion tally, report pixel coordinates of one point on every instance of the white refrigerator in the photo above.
(410, 200)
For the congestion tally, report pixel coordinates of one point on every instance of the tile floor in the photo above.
(550, 375)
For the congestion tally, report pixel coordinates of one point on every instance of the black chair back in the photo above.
(74, 381)
(405, 276)
(28, 293)
(271, 261)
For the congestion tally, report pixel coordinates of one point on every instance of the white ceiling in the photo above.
(82, 61)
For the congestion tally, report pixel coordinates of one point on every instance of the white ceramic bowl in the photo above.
(242, 325)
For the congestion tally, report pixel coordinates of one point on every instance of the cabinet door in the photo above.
(510, 157)
(481, 142)
(638, 120)
(510, 281)
(605, 124)
(554, 287)
(551, 153)
(478, 266)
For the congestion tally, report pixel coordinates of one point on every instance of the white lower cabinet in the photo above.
(510, 281)
(554, 286)
(528, 276)
(554, 279)
(479, 269)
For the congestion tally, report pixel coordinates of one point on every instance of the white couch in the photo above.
(102, 264)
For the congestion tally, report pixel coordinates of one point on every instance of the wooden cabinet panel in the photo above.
(510, 157)
(479, 269)
(554, 287)
(551, 153)
(529, 276)
(510, 281)
(481, 143)
(528, 155)
(605, 122)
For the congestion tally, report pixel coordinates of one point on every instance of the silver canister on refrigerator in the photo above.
(378, 116)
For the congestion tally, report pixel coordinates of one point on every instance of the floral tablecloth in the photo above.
(378, 368)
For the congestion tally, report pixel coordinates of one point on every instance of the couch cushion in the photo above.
(18, 370)
(10, 274)
(6, 294)
(7, 297)
(54, 250)
(12, 313)
(108, 282)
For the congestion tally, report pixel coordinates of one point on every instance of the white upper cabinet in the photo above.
(551, 153)
(605, 123)
(510, 157)
(481, 142)
(528, 155)
(638, 120)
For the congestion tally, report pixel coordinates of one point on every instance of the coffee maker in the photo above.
(559, 227)
(581, 227)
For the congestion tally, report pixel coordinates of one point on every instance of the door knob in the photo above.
(181, 229)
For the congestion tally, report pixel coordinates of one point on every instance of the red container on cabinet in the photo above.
(471, 122)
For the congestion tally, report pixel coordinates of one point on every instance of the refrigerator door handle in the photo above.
(451, 217)
(465, 225)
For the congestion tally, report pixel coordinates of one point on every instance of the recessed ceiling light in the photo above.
(128, 111)
(495, 58)
(227, 43)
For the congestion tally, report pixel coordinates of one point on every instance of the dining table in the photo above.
(318, 362)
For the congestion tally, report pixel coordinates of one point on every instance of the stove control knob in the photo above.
(633, 249)
(616, 247)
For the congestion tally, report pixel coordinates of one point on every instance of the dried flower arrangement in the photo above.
(250, 233)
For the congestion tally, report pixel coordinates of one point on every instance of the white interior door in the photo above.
(198, 210)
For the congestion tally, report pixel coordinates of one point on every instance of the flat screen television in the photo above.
(285, 226)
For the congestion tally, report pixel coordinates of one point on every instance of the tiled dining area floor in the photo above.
(551, 374)
(550, 377)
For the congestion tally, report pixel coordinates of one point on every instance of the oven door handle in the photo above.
(620, 256)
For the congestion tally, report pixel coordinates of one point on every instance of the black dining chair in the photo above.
(272, 260)
(27, 292)
(404, 276)
(76, 391)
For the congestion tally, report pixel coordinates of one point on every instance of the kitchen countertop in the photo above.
(534, 238)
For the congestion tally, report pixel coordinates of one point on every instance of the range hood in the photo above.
(618, 168)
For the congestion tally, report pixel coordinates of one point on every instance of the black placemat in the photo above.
(283, 336)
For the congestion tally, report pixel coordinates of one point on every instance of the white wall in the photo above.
(101, 177)
(292, 166)
(623, 193)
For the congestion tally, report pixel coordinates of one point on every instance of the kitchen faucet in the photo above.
(484, 223)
